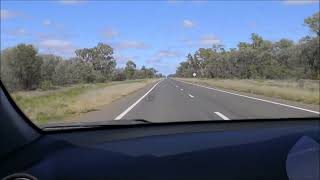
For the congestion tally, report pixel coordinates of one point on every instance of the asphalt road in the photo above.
(172, 100)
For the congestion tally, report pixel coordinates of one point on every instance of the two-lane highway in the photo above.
(172, 100)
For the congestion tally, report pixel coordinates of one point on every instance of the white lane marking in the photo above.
(181, 89)
(258, 99)
(134, 104)
(177, 86)
(191, 96)
(222, 116)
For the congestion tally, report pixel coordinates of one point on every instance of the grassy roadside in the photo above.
(299, 91)
(44, 106)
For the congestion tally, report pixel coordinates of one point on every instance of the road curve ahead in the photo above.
(172, 100)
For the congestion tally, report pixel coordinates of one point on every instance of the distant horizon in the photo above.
(158, 34)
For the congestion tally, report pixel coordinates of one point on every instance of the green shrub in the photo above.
(46, 85)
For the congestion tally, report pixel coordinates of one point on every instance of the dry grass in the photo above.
(90, 100)
(305, 91)
(44, 106)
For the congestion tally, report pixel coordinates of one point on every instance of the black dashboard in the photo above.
(224, 150)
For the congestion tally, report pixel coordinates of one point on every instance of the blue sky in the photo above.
(155, 34)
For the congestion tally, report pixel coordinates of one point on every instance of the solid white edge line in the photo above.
(222, 116)
(134, 104)
(258, 99)
(191, 96)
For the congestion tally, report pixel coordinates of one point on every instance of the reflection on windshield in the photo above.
(76, 69)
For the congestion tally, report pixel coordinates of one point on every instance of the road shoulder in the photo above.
(112, 110)
(313, 107)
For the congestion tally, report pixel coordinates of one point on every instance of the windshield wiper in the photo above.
(63, 126)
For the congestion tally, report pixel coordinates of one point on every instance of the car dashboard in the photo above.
(283, 149)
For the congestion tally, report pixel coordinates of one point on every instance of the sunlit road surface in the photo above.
(173, 100)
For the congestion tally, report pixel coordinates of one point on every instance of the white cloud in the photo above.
(167, 54)
(47, 22)
(188, 42)
(110, 33)
(52, 35)
(121, 59)
(209, 40)
(160, 55)
(129, 45)
(43, 35)
(6, 14)
(18, 32)
(57, 46)
(188, 23)
(70, 2)
(301, 2)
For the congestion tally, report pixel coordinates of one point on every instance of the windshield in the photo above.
(71, 62)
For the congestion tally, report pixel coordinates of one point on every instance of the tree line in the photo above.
(259, 58)
(23, 68)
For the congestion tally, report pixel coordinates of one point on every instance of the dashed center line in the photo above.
(222, 116)
(191, 96)
(177, 86)
(181, 89)
(254, 98)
